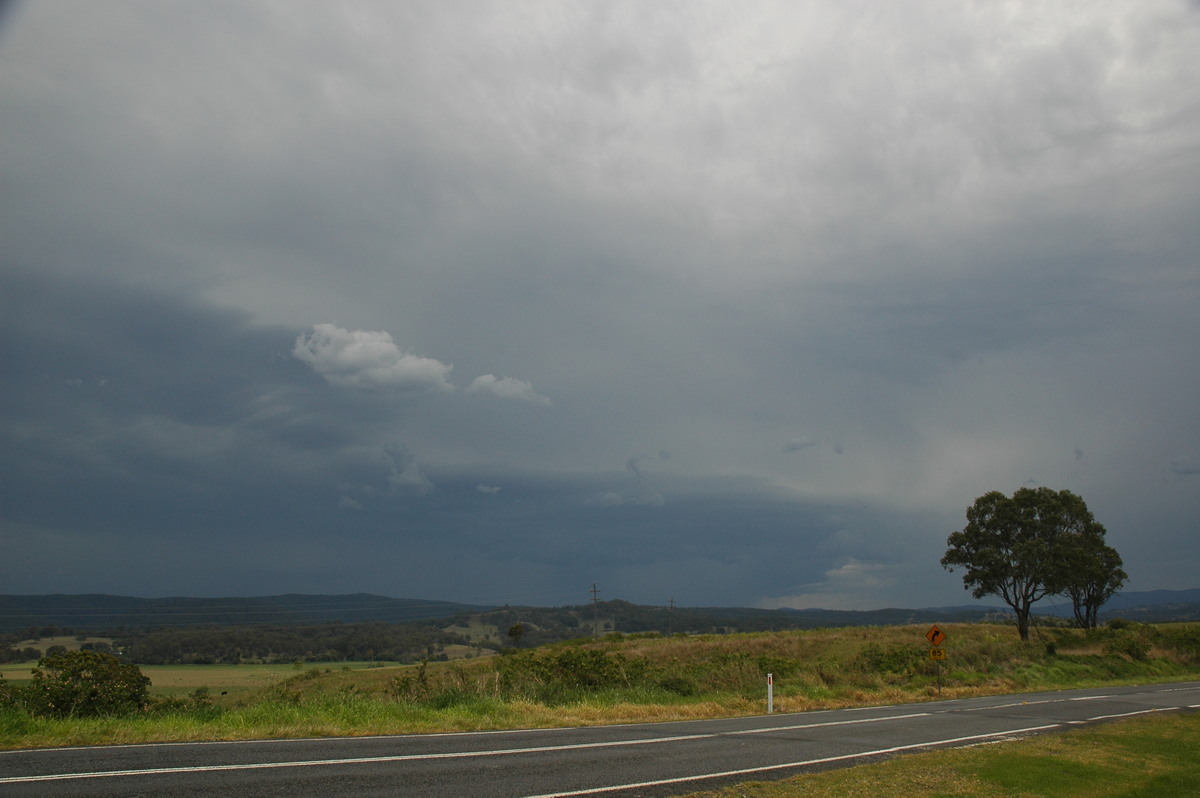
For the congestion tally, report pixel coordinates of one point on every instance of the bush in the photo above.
(679, 685)
(85, 683)
(560, 674)
(899, 659)
(1183, 641)
(1132, 644)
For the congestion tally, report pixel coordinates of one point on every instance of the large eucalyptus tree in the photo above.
(1036, 543)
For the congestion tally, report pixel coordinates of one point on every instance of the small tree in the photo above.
(1093, 574)
(1030, 545)
(516, 632)
(81, 683)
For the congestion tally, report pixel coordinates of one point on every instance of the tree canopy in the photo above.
(82, 683)
(1036, 543)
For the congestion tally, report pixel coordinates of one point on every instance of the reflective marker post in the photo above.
(770, 693)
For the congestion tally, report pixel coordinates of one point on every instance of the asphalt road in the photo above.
(658, 759)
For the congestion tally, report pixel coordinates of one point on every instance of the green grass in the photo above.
(233, 680)
(624, 680)
(1156, 757)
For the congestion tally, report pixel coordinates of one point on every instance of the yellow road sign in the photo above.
(935, 635)
(937, 653)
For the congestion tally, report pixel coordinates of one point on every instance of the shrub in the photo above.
(84, 683)
(1132, 644)
(898, 659)
(679, 685)
(557, 674)
(1183, 641)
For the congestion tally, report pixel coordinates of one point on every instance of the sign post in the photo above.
(770, 693)
(936, 636)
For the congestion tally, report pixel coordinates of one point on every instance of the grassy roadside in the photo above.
(625, 680)
(1151, 756)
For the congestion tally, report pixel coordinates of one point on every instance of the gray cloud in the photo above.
(947, 249)
(507, 388)
(1185, 466)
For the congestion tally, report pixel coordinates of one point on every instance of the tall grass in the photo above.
(646, 677)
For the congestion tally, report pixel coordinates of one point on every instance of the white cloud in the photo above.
(611, 499)
(605, 500)
(854, 585)
(406, 477)
(490, 489)
(368, 360)
(507, 388)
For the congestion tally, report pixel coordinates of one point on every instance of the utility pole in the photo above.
(595, 611)
(670, 616)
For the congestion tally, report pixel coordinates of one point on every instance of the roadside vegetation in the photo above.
(618, 679)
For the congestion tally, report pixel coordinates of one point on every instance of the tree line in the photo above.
(368, 642)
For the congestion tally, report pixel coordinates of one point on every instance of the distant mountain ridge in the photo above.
(92, 612)
(101, 611)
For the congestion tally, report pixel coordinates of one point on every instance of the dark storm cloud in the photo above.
(187, 429)
(373, 289)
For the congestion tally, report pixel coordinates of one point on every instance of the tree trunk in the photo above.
(1022, 622)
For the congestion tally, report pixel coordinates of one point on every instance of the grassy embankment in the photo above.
(1158, 756)
(630, 679)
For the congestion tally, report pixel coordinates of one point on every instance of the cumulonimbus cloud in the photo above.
(369, 360)
(507, 388)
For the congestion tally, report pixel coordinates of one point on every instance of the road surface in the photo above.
(658, 759)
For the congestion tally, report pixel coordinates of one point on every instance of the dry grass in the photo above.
(644, 679)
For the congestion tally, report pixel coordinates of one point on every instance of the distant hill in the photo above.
(1154, 606)
(1150, 598)
(1147, 606)
(92, 612)
(98, 612)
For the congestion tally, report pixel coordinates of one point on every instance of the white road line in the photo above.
(578, 746)
(277, 740)
(1131, 714)
(99, 774)
(805, 763)
(769, 729)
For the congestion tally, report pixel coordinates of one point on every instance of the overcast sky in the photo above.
(726, 303)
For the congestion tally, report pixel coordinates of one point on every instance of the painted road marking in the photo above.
(805, 763)
(99, 774)
(607, 744)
